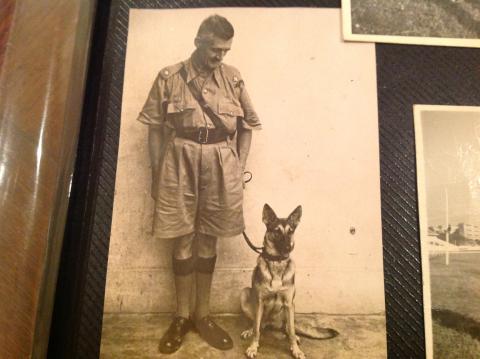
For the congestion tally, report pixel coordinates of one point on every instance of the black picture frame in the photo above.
(406, 75)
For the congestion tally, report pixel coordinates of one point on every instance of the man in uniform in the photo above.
(200, 121)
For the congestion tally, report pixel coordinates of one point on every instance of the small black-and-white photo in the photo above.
(422, 22)
(448, 167)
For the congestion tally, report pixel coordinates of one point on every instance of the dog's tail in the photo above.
(315, 332)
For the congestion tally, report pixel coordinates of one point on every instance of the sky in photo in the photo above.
(451, 141)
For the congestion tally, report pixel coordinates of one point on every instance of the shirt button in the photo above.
(205, 91)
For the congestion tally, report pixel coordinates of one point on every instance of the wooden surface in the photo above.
(44, 46)
(7, 8)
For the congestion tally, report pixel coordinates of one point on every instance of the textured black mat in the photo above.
(409, 75)
(406, 75)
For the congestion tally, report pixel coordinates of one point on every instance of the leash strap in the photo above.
(258, 250)
(247, 176)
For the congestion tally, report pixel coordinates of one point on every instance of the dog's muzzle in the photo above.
(284, 248)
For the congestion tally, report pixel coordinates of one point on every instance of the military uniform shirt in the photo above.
(171, 103)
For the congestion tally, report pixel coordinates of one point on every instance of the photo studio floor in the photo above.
(137, 336)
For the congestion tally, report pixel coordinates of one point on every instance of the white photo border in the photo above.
(348, 35)
(422, 213)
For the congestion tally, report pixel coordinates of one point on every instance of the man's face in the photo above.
(211, 54)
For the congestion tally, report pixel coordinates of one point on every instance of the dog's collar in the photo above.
(271, 258)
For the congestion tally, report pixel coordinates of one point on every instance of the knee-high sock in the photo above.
(183, 271)
(204, 274)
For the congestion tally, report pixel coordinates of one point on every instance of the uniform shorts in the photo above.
(200, 190)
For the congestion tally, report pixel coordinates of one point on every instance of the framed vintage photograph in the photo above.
(420, 22)
(448, 167)
(313, 159)
(334, 161)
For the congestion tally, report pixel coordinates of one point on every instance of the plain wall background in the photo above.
(317, 99)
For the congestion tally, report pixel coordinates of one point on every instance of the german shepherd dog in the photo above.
(270, 300)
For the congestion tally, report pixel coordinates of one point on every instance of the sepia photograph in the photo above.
(247, 213)
(421, 22)
(448, 167)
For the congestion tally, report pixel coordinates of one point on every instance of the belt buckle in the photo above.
(203, 135)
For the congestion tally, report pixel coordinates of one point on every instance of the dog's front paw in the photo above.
(297, 338)
(247, 334)
(297, 353)
(251, 351)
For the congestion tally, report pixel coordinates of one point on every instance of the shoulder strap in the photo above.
(197, 95)
(169, 71)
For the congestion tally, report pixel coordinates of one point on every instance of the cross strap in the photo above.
(197, 95)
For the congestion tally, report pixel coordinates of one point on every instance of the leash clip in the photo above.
(248, 177)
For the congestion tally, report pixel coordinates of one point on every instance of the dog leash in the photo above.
(259, 250)
(249, 176)
(256, 249)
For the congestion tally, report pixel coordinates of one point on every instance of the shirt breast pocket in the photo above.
(228, 108)
(181, 115)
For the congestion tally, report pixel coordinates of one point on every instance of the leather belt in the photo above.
(204, 135)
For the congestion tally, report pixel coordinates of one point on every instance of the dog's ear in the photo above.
(268, 215)
(294, 217)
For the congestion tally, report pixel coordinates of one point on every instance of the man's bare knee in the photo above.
(207, 245)
(183, 247)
